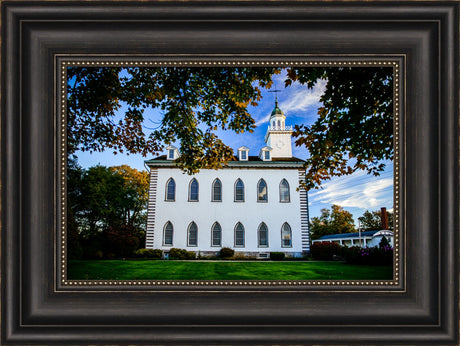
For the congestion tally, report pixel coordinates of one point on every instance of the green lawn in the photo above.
(225, 270)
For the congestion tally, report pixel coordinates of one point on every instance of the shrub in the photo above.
(277, 256)
(122, 241)
(226, 252)
(369, 256)
(148, 253)
(384, 242)
(181, 254)
(175, 253)
(190, 255)
(325, 251)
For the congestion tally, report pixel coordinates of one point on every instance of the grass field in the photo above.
(223, 270)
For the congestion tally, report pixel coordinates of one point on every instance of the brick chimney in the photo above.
(383, 215)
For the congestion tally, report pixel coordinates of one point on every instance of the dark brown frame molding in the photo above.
(421, 309)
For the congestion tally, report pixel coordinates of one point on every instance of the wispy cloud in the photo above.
(299, 99)
(358, 190)
(303, 98)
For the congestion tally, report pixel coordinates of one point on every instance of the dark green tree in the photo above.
(332, 221)
(102, 197)
(194, 101)
(372, 220)
(354, 129)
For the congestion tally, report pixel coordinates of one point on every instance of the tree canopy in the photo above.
(353, 131)
(372, 220)
(354, 128)
(101, 197)
(332, 221)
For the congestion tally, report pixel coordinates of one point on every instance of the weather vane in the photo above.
(276, 94)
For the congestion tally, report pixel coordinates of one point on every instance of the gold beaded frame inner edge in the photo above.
(397, 62)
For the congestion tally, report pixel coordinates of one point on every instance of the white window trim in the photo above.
(212, 191)
(290, 235)
(166, 190)
(212, 235)
(234, 191)
(188, 234)
(164, 234)
(289, 191)
(190, 191)
(234, 236)
(258, 236)
(266, 193)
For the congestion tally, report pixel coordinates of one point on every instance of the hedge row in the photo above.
(182, 254)
(379, 255)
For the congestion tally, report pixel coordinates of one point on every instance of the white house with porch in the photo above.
(251, 205)
(363, 239)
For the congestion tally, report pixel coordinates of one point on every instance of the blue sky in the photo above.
(355, 193)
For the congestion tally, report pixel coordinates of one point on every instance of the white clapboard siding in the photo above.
(149, 237)
(304, 215)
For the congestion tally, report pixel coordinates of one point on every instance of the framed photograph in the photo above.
(129, 261)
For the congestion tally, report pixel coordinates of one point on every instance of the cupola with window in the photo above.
(243, 153)
(278, 136)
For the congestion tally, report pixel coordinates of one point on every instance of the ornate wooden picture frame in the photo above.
(420, 41)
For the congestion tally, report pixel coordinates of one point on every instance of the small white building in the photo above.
(365, 239)
(252, 205)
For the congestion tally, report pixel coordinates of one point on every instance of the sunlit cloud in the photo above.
(358, 190)
(300, 99)
(303, 98)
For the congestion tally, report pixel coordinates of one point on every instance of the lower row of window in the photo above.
(216, 235)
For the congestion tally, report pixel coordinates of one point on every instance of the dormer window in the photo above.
(243, 154)
(172, 153)
(265, 154)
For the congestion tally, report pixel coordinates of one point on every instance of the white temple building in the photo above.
(251, 205)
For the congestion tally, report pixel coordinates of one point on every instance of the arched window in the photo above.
(216, 235)
(239, 191)
(262, 235)
(168, 234)
(286, 235)
(262, 195)
(239, 235)
(170, 190)
(193, 190)
(192, 234)
(284, 191)
(216, 191)
(279, 124)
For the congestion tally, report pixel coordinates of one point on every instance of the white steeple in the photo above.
(278, 136)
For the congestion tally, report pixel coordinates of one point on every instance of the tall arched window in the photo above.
(262, 195)
(239, 191)
(168, 234)
(239, 235)
(279, 124)
(216, 235)
(216, 191)
(170, 190)
(284, 191)
(193, 190)
(286, 235)
(262, 235)
(192, 234)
